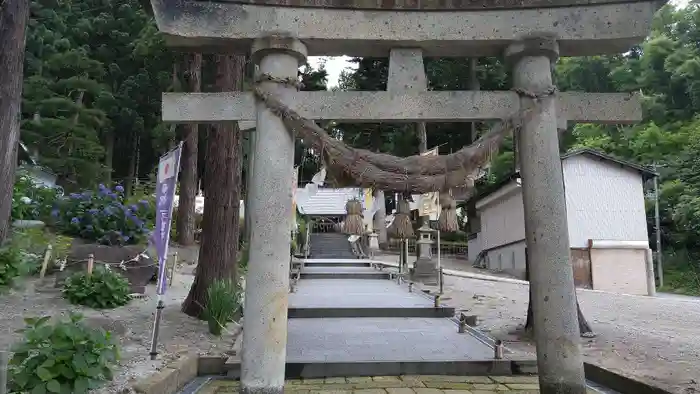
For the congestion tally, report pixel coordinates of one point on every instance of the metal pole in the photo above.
(156, 328)
(657, 219)
(439, 265)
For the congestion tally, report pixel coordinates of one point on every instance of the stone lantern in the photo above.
(425, 270)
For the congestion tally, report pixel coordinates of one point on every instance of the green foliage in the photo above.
(244, 256)
(93, 73)
(104, 289)
(103, 216)
(11, 264)
(33, 242)
(66, 357)
(223, 301)
(454, 237)
(31, 201)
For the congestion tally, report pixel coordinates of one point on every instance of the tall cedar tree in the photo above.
(188, 179)
(13, 25)
(222, 184)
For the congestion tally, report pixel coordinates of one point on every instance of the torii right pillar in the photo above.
(559, 359)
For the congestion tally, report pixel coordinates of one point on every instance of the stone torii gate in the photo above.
(280, 34)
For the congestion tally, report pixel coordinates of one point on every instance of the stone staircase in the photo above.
(330, 246)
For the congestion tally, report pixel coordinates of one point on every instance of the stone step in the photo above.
(343, 272)
(345, 275)
(373, 312)
(337, 263)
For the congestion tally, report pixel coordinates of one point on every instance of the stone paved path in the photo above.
(398, 385)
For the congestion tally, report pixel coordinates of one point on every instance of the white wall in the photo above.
(603, 201)
(503, 218)
(474, 247)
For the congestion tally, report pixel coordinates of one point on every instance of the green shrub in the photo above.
(244, 254)
(31, 201)
(223, 301)
(104, 289)
(12, 263)
(65, 357)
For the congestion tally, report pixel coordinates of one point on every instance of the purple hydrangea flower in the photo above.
(119, 188)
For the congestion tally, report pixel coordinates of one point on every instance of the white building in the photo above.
(606, 221)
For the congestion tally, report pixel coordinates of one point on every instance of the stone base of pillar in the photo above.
(425, 271)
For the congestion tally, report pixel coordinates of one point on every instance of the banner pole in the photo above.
(166, 183)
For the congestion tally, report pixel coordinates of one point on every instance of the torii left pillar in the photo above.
(267, 282)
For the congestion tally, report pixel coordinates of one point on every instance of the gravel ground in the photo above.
(133, 324)
(654, 340)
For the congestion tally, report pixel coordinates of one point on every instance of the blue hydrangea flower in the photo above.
(119, 188)
(55, 213)
(75, 220)
(144, 203)
(93, 211)
(133, 207)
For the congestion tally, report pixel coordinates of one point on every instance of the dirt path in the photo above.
(655, 340)
(133, 325)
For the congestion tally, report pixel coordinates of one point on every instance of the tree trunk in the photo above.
(220, 225)
(109, 156)
(188, 175)
(473, 85)
(129, 184)
(422, 147)
(13, 26)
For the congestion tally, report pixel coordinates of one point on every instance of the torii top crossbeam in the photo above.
(441, 28)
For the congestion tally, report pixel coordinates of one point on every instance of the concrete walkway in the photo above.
(386, 322)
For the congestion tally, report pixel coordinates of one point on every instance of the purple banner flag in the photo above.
(168, 168)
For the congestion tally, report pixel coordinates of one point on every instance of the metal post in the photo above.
(439, 265)
(556, 329)
(267, 282)
(657, 220)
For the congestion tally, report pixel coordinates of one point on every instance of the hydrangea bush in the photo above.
(104, 216)
(31, 201)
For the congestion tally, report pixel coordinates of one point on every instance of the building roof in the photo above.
(645, 172)
(325, 201)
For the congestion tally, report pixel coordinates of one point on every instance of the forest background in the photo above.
(95, 71)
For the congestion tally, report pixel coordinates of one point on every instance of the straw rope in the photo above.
(413, 174)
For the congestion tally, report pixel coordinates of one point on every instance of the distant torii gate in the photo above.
(530, 35)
